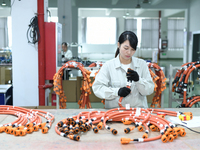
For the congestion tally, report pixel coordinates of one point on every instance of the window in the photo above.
(133, 25)
(175, 34)
(149, 33)
(52, 19)
(9, 23)
(146, 31)
(101, 30)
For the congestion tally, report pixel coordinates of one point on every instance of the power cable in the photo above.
(188, 128)
(33, 34)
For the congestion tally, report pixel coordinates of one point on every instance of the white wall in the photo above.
(194, 15)
(2, 32)
(92, 52)
(4, 12)
(98, 52)
(25, 56)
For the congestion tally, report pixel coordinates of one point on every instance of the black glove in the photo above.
(132, 75)
(63, 56)
(124, 91)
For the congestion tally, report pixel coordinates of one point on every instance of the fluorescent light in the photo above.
(138, 6)
(3, 3)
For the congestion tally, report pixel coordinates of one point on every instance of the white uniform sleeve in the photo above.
(68, 54)
(145, 84)
(101, 86)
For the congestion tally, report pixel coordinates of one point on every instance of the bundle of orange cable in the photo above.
(159, 81)
(180, 84)
(28, 120)
(97, 65)
(84, 98)
(140, 118)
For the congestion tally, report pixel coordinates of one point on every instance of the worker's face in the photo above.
(126, 51)
(64, 48)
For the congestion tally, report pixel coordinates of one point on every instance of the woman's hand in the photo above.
(124, 91)
(132, 75)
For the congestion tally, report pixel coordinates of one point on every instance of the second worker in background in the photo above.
(66, 53)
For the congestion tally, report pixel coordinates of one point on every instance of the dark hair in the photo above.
(131, 37)
(64, 43)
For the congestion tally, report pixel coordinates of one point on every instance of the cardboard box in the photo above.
(2, 75)
(8, 75)
(70, 90)
(78, 88)
(92, 97)
(150, 98)
(5, 74)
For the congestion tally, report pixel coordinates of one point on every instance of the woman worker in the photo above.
(66, 53)
(110, 83)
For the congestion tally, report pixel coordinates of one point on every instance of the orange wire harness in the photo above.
(86, 84)
(142, 119)
(180, 84)
(128, 85)
(28, 120)
(160, 84)
(96, 65)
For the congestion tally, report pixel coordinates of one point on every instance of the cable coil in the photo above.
(181, 86)
(143, 119)
(28, 120)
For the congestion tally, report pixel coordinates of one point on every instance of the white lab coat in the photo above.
(112, 77)
(67, 55)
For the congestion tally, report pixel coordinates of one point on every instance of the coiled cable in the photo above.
(33, 34)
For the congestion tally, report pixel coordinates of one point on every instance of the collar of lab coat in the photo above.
(134, 62)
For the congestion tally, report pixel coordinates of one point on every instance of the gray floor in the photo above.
(163, 63)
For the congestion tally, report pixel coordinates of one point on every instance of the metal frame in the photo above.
(171, 99)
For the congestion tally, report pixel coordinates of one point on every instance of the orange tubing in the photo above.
(27, 120)
(86, 84)
(180, 84)
(186, 82)
(141, 118)
(159, 80)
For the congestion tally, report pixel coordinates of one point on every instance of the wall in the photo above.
(193, 17)
(25, 55)
(2, 32)
(97, 52)
(4, 13)
(169, 8)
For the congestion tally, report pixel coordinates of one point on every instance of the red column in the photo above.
(41, 53)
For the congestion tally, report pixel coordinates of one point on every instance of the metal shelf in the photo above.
(171, 99)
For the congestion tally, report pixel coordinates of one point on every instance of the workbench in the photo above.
(89, 140)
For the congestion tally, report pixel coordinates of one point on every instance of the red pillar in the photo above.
(41, 53)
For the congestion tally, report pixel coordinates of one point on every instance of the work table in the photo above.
(104, 139)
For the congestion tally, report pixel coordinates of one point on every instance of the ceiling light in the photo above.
(3, 3)
(138, 5)
(127, 13)
(146, 1)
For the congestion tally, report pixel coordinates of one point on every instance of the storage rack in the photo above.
(171, 99)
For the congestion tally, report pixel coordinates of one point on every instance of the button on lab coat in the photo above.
(112, 77)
